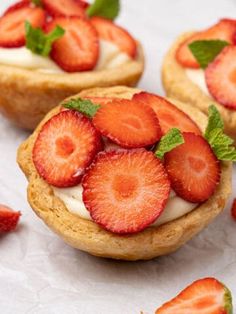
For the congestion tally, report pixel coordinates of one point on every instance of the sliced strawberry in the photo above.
(16, 6)
(225, 29)
(65, 8)
(128, 123)
(65, 146)
(78, 49)
(117, 35)
(125, 191)
(12, 24)
(169, 115)
(221, 77)
(8, 219)
(204, 296)
(233, 209)
(193, 169)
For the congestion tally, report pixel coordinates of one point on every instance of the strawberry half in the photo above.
(66, 8)
(125, 191)
(65, 146)
(12, 23)
(117, 35)
(221, 77)
(233, 209)
(8, 219)
(78, 49)
(128, 123)
(225, 29)
(204, 296)
(193, 169)
(168, 115)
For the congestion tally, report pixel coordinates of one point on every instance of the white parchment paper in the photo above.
(39, 274)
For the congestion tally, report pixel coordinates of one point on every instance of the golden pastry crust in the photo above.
(177, 85)
(27, 95)
(88, 236)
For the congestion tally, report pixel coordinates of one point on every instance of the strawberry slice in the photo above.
(128, 123)
(17, 5)
(78, 49)
(225, 29)
(169, 116)
(193, 169)
(8, 219)
(204, 296)
(12, 23)
(233, 209)
(65, 146)
(125, 191)
(221, 77)
(65, 8)
(117, 35)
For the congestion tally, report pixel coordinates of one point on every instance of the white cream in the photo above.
(72, 197)
(198, 78)
(110, 57)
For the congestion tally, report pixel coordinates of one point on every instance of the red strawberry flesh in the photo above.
(65, 8)
(65, 146)
(193, 169)
(8, 219)
(125, 191)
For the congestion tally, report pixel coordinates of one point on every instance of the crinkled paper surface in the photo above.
(39, 274)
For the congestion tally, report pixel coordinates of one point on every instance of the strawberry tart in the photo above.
(126, 174)
(200, 69)
(50, 50)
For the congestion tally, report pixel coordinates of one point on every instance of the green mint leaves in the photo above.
(169, 141)
(108, 9)
(220, 143)
(38, 3)
(85, 106)
(205, 51)
(39, 42)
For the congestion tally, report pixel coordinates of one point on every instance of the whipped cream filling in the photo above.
(175, 208)
(197, 76)
(110, 57)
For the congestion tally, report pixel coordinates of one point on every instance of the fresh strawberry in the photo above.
(65, 146)
(12, 24)
(204, 296)
(16, 6)
(126, 190)
(128, 123)
(169, 115)
(193, 169)
(233, 209)
(225, 29)
(109, 31)
(66, 8)
(221, 77)
(8, 219)
(78, 49)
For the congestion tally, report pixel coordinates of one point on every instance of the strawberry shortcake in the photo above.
(50, 50)
(127, 174)
(200, 69)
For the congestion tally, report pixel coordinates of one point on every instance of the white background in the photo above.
(40, 274)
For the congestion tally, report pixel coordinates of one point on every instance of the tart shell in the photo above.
(177, 85)
(27, 95)
(88, 236)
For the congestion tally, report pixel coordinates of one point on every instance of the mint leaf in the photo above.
(108, 9)
(169, 141)
(39, 42)
(38, 3)
(205, 51)
(85, 106)
(220, 143)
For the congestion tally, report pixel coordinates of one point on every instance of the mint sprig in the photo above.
(39, 42)
(108, 9)
(169, 141)
(205, 51)
(84, 106)
(220, 143)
